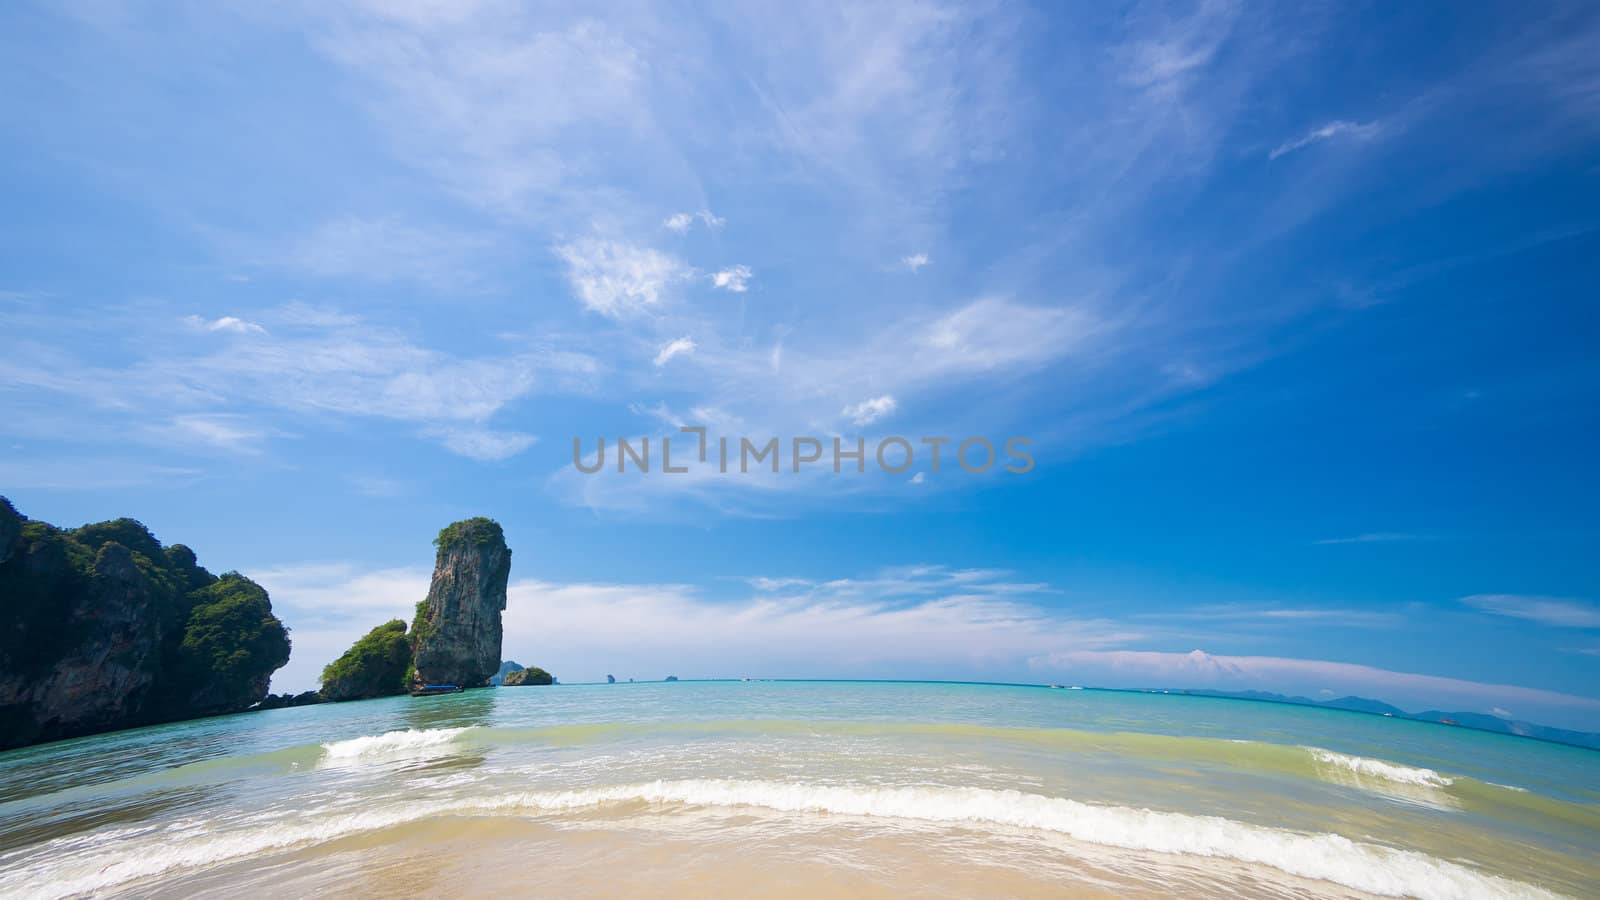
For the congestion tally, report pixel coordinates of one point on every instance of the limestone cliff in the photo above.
(102, 627)
(457, 630)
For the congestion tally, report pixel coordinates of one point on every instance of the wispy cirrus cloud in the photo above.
(486, 100)
(1373, 537)
(1287, 616)
(673, 348)
(1339, 128)
(1559, 612)
(311, 362)
(483, 444)
(226, 323)
(234, 433)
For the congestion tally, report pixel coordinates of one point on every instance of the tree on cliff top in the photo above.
(478, 530)
(377, 665)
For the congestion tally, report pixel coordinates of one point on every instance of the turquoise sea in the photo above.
(801, 788)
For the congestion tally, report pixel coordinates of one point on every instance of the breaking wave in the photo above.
(80, 868)
(392, 745)
(1378, 768)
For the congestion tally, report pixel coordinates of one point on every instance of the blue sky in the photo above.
(1296, 304)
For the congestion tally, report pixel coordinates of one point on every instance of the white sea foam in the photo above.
(392, 745)
(1377, 768)
(1363, 866)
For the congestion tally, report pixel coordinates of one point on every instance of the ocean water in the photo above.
(795, 788)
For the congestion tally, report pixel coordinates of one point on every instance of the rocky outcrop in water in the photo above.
(378, 665)
(280, 701)
(507, 666)
(530, 675)
(457, 630)
(101, 627)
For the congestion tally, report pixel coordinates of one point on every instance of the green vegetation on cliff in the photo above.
(377, 665)
(477, 530)
(530, 675)
(455, 632)
(102, 627)
(231, 640)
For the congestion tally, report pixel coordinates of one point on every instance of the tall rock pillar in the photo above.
(457, 631)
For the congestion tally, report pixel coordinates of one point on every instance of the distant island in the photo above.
(1480, 721)
(532, 675)
(506, 668)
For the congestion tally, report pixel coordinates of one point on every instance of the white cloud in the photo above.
(1378, 537)
(762, 583)
(1337, 128)
(485, 445)
(926, 620)
(487, 102)
(886, 104)
(226, 432)
(618, 279)
(1292, 617)
(226, 323)
(1559, 612)
(1166, 58)
(992, 333)
(733, 278)
(919, 478)
(674, 348)
(921, 621)
(917, 618)
(868, 411)
(312, 363)
(915, 261)
(327, 606)
(680, 222)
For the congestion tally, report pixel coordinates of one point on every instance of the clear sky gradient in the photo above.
(1297, 304)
